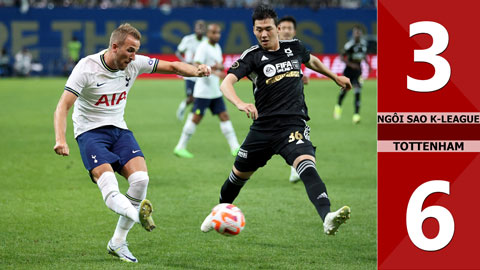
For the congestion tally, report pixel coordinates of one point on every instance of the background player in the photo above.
(98, 86)
(207, 94)
(279, 125)
(354, 53)
(185, 52)
(287, 30)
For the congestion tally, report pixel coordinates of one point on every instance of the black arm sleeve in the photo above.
(242, 67)
(304, 52)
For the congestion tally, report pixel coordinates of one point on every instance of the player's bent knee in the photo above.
(137, 191)
(139, 179)
(243, 175)
(223, 116)
(98, 171)
(302, 158)
(108, 185)
(197, 118)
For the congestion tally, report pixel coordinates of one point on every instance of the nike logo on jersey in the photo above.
(264, 58)
(100, 84)
(135, 151)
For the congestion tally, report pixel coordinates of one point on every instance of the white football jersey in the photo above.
(102, 91)
(188, 46)
(210, 55)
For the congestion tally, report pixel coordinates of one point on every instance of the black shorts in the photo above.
(353, 75)
(289, 141)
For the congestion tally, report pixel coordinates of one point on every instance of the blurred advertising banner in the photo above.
(428, 135)
(332, 61)
(46, 32)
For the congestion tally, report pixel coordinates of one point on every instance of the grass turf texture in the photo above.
(53, 217)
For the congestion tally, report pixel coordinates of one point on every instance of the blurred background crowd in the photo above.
(104, 4)
(48, 37)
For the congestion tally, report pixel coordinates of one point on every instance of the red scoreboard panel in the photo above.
(428, 134)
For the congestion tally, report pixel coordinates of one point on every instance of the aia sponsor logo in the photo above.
(111, 100)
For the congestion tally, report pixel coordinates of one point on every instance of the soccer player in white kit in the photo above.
(207, 95)
(98, 87)
(185, 52)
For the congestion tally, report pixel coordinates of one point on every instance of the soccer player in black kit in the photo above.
(354, 52)
(279, 115)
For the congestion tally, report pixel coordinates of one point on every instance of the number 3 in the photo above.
(416, 217)
(296, 136)
(442, 68)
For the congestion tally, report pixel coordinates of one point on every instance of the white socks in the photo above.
(182, 105)
(187, 132)
(124, 225)
(136, 192)
(189, 128)
(229, 133)
(294, 177)
(117, 202)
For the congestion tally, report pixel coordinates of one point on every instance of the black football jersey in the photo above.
(276, 77)
(354, 51)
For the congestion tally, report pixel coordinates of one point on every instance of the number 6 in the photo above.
(442, 67)
(415, 217)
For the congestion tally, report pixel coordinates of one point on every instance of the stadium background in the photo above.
(46, 31)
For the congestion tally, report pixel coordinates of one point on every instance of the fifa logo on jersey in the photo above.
(284, 66)
(113, 100)
(128, 80)
(270, 70)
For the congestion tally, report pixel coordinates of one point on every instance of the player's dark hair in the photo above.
(262, 12)
(289, 19)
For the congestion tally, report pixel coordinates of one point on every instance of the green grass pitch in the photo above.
(53, 217)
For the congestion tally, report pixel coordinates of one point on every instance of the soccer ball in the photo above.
(227, 219)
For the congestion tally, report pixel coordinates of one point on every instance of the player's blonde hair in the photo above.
(120, 34)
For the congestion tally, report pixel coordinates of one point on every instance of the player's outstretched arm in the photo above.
(317, 65)
(60, 122)
(180, 56)
(229, 92)
(219, 70)
(183, 69)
